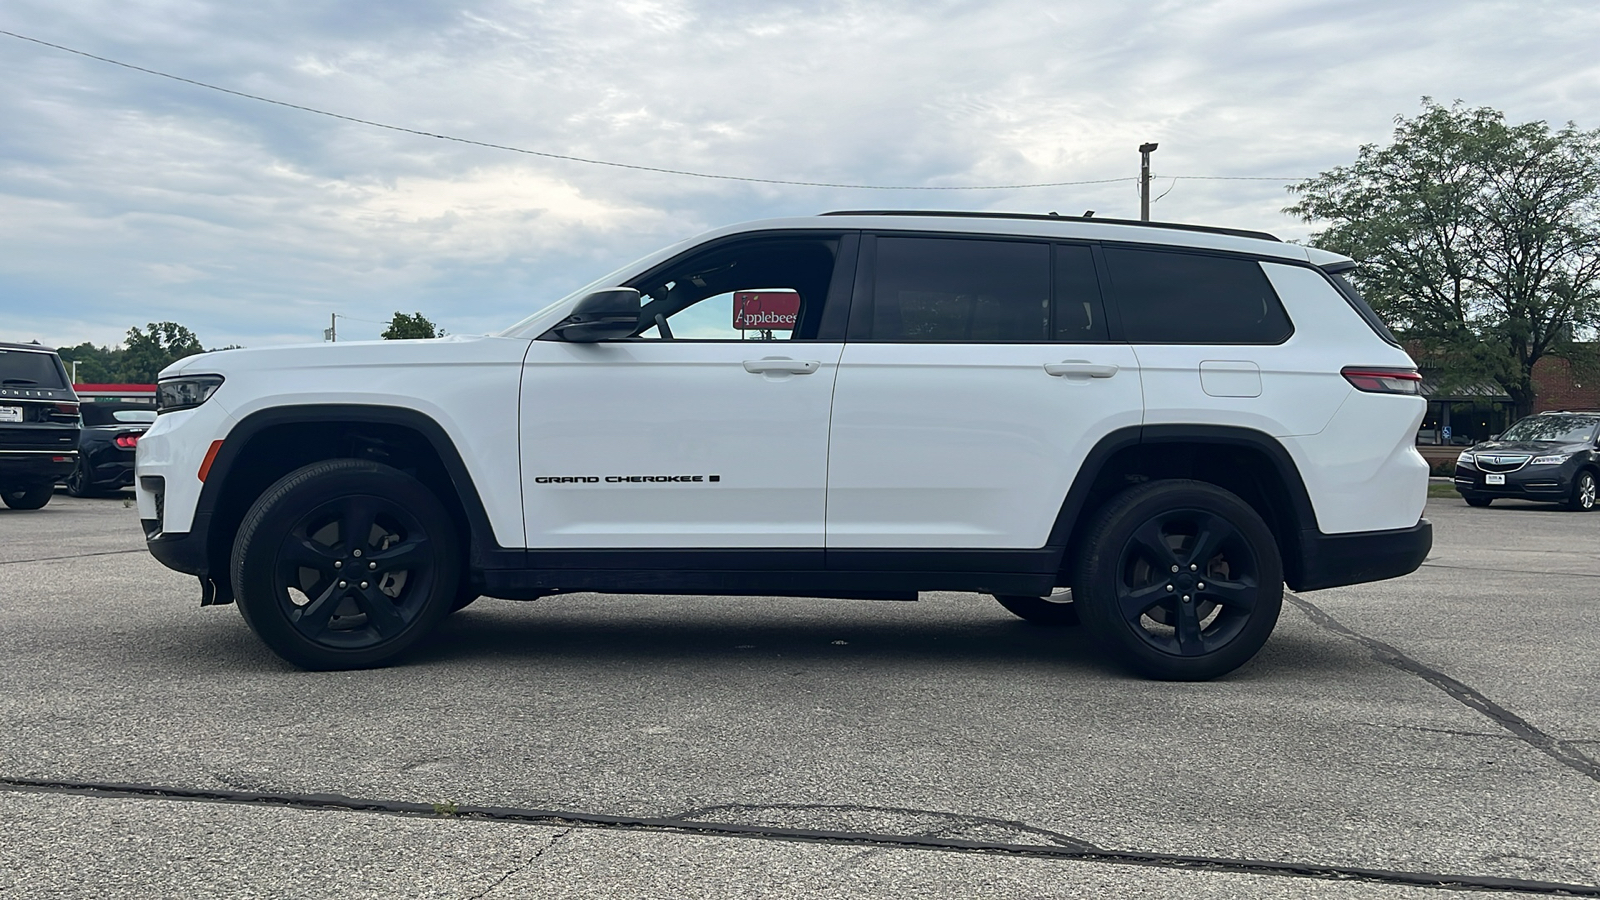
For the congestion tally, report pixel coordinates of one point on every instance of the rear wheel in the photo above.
(78, 483)
(33, 496)
(1180, 579)
(1478, 501)
(345, 564)
(1055, 610)
(1583, 493)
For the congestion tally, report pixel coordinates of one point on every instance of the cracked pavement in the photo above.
(1445, 723)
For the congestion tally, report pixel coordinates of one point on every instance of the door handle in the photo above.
(775, 364)
(1080, 367)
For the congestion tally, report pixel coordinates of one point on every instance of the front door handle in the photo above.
(777, 364)
(1080, 367)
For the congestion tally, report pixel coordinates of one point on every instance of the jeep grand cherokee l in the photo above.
(38, 424)
(1171, 421)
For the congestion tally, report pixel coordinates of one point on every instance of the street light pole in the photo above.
(1144, 180)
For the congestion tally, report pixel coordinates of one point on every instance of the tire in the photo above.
(463, 600)
(1205, 543)
(34, 496)
(78, 483)
(1054, 611)
(1479, 502)
(293, 558)
(1583, 492)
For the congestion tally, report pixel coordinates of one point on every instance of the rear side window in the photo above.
(27, 368)
(950, 290)
(1189, 298)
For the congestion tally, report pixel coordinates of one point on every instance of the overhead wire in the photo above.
(603, 162)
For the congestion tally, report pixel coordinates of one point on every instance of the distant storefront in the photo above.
(1464, 415)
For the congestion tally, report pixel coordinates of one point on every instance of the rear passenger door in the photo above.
(976, 376)
(1215, 344)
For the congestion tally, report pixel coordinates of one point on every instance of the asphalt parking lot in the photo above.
(1439, 729)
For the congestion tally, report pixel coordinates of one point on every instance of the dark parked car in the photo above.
(38, 424)
(106, 449)
(1552, 456)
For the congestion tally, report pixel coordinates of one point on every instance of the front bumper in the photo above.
(1332, 560)
(1548, 483)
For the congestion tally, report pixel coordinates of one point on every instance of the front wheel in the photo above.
(1583, 493)
(1181, 579)
(345, 564)
(31, 497)
(1479, 502)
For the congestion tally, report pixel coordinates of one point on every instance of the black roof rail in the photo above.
(1053, 217)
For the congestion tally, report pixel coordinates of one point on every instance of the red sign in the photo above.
(765, 310)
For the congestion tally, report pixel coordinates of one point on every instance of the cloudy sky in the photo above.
(127, 198)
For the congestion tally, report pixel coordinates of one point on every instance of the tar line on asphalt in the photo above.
(12, 562)
(1561, 751)
(565, 819)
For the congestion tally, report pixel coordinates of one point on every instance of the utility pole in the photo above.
(1144, 180)
(332, 331)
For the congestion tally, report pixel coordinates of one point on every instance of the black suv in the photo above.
(38, 424)
(1552, 456)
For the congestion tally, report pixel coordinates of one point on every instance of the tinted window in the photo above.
(1187, 298)
(940, 289)
(1079, 316)
(26, 368)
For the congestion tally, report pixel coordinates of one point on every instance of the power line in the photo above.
(603, 162)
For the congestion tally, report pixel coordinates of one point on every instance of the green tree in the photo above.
(403, 327)
(1477, 239)
(96, 365)
(160, 345)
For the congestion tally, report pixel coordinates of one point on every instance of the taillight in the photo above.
(1383, 380)
(127, 441)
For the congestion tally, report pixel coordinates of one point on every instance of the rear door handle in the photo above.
(773, 364)
(1080, 367)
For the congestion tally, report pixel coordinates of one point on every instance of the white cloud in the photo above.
(129, 198)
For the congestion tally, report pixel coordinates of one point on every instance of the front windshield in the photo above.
(1558, 429)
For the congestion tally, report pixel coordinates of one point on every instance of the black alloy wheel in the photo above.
(34, 496)
(1583, 492)
(1054, 611)
(345, 564)
(78, 483)
(1181, 579)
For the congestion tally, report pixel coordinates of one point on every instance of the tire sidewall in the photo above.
(1094, 583)
(1575, 503)
(283, 505)
(33, 496)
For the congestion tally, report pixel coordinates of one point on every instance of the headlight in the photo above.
(1467, 458)
(185, 393)
(1554, 459)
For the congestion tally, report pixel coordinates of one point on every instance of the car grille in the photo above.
(1502, 462)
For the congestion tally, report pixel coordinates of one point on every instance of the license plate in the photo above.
(10, 414)
(1494, 479)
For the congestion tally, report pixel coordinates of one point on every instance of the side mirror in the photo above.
(1494, 437)
(602, 316)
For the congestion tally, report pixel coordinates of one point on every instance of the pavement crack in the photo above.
(572, 820)
(955, 819)
(1562, 751)
(13, 562)
(523, 867)
(1454, 731)
(1429, 565)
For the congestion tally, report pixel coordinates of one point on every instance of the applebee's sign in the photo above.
(765, 310)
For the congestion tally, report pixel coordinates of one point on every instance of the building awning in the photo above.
(1480, 391)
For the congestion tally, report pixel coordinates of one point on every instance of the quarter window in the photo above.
(1189, 298)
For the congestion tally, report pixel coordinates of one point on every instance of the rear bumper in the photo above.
(25, 468)
(1332, 560)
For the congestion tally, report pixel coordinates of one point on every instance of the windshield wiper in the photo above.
(19, 381)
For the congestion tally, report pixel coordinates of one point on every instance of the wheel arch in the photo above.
(268, 444)
(1246, 462)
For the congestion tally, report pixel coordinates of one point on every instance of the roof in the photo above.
(4, 345)
(1478, 390)
(1206, 229)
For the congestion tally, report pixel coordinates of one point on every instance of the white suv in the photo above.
(1171, 421)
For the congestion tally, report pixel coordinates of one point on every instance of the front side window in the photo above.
(763, 290)
(1189, 298)
(951, 290)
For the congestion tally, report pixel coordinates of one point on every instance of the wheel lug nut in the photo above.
(358, 552)
(338, 564)
(372, 565)
(1169, 587)
(364, 587)
(1192, 566)
(1186, 598)
(1174, 568)
(1201, 586)
(344, 584)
